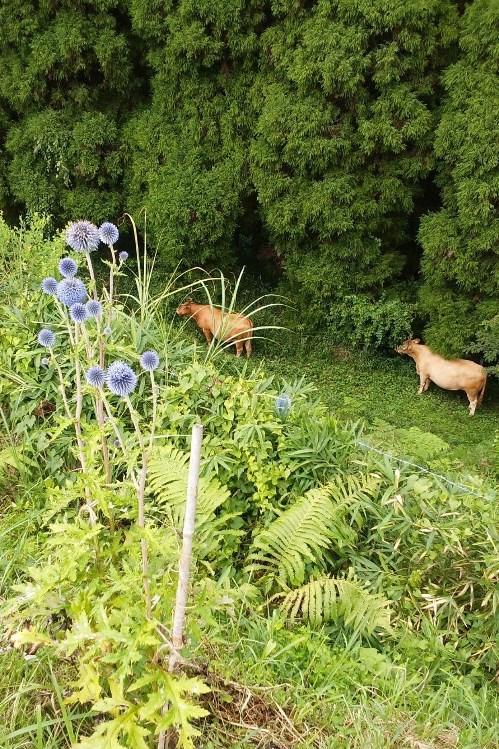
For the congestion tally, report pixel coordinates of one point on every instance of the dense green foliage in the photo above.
(67, 75)
(320, 143)
(461, 241)
(343, 138)
(336, 594)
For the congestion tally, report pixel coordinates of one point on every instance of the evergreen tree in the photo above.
(188, 164)
(461, 241)
(345, 101)
(66, 81)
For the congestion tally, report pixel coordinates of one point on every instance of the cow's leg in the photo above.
(247, 346)
(424, 382)
(473, 399)
(207, 334)
(239, 348)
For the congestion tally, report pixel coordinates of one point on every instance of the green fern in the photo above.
(168, 468)
(337, 599)
(307, 530)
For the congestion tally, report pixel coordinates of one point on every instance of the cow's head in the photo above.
(407, 347)
(185, 308)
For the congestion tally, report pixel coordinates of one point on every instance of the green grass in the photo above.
(32, 710)
(366, 387)
(274, 687)
(379, 387)
(374, 387)
(307, 688)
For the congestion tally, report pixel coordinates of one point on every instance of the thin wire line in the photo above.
(424, 470)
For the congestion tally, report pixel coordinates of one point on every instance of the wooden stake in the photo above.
(186, 556)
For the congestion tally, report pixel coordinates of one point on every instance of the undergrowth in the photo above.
(340, 599)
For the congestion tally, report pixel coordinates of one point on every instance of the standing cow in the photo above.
(233, 327)
(453, 374)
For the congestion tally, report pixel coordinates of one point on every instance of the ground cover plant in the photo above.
(338, 597)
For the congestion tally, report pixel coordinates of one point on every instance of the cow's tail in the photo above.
(482, 391)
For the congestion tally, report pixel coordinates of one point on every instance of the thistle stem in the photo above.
(141, 506)
(65, 317)
(99, 409)
(117, 432)
(62, 386)
(92, 275)
(111, 285)
(77, 420)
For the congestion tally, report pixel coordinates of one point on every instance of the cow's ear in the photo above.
(416, 340)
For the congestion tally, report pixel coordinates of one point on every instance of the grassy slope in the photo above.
(368, 387)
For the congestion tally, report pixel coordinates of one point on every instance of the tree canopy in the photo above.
(352, 143)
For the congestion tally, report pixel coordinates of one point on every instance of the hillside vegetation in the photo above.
(337, 598)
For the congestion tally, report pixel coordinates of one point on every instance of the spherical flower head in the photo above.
(107, 331)
(68, 267)
(49, 285)
(283, 404)
(123, 256)
(46, 338)
(121, 379)
(96, 377)
(82, 236)
(108, 233)
(71, 291)
(78, 312)
(94, 308)
(149, 361)
(45, 361)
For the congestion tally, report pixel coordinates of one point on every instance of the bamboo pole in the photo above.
(185, 557)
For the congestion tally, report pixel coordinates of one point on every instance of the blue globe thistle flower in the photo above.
(283, 404)
(68, 267)
(71, 291)
(94, 308)
(49, 285)
(46, 338)
(108, 233)
(82, 236)
(123, 256)
(107, 331)
(149, 361)
(78, 312)
(121, 379)
(45, 361)
(96, 377)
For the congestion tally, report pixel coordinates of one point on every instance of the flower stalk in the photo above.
(141, 504)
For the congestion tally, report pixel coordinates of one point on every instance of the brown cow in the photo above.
(233, 327)
(453, 374)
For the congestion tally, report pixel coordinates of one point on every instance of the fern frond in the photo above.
(168, 468)
(337, 599)
(299, 536)
(315, 523)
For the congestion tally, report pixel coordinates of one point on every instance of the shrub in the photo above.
(360, 320)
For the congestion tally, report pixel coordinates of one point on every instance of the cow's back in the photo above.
(453, 374)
